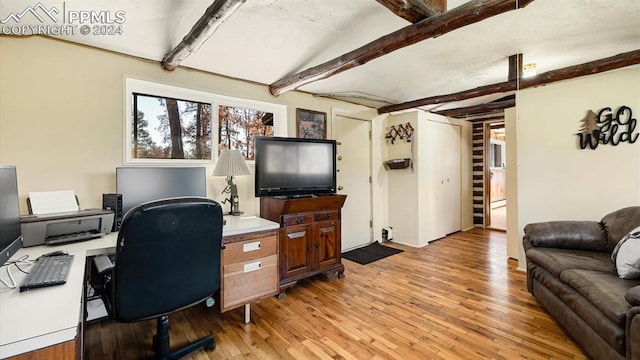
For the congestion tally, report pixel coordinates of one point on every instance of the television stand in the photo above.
(309, 236)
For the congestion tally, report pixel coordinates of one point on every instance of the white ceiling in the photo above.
(265, 40)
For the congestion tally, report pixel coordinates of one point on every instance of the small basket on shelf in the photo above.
(395, 164)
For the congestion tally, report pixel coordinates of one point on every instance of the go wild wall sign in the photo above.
(608, 128)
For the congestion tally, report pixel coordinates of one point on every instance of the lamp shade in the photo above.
(231, 163)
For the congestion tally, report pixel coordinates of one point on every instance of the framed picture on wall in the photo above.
(311, 124)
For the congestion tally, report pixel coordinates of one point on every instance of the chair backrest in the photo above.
(167, 257)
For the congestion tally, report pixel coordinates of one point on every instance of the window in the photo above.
(171, 125)
(167, 128)
(497, 154)
(239, 127)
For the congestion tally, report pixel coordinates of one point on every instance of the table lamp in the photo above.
(231, 163)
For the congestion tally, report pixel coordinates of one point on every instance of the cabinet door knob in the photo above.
(299, 220)
(327, 216)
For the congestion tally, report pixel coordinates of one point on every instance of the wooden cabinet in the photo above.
(249, 268)
(310, 240)
(327, 236)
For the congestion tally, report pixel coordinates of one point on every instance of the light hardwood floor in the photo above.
(457, 298)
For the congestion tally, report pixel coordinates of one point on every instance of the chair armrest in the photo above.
(102, 264)
(580, 235)
(101, 272)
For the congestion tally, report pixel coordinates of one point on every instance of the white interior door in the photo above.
(452, 180)
(448, 216)
(354, 170)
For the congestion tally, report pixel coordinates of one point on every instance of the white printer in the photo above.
(55, 218)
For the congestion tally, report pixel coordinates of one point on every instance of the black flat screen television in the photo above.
(10, 231)
(294, 167)
(142, 184)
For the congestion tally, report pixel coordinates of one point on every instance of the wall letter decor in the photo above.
(607, 128)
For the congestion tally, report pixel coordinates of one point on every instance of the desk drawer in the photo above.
(248, 281)
(249, 249)
(327, 215)
(297, 219)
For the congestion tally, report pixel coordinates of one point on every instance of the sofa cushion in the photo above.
(594, 332)
(556, 260)
(626, 255)
(604, 290)
(619, 223)
(580, 235)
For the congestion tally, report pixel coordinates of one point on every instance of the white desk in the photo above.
(48, 316)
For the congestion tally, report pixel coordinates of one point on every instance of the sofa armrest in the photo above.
(633, 296)
(632, 330)
(580, 235)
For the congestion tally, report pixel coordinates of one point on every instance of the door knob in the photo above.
(340, 187)
(339, 157)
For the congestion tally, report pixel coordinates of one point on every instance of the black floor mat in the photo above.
(370, 253)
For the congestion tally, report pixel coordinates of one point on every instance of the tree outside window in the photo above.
(166, 124)
(239, 126)
(166, 128)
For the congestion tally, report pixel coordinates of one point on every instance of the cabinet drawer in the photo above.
(250, 280)
(249, 249)
(298, 219)
(328, 215)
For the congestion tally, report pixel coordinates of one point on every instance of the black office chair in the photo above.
(167, 259)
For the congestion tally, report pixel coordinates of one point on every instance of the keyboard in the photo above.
(48, 271)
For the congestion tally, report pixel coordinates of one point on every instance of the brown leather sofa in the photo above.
(571, 273)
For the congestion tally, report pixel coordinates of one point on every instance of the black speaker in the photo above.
(113, 202)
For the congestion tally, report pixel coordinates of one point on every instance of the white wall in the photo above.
(61, 115)
(411, 196)
(513, 239)
(556, 179)
(404, 192)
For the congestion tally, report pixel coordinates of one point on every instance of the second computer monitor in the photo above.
(142, 184)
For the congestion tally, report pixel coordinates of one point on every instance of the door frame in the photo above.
(487, 167)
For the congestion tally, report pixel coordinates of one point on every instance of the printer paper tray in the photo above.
(72, 237)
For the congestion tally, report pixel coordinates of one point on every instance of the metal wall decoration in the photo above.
(401, 131)
(608, 128)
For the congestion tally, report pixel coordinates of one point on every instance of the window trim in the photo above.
(134, 85)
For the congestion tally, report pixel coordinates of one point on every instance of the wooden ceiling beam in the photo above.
(414, 10)
(488, 108)
(457, 96)
(466, 14)
(515, 67)
(216, 14)
(593, 67)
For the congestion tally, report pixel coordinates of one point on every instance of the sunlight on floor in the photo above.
(499, 218)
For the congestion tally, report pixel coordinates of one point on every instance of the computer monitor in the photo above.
(142, 184)
(10, 231)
